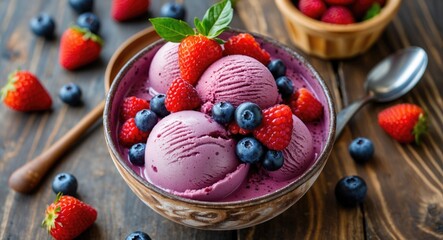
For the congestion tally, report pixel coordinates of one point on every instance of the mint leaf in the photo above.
(216, 19)
(171, 29)
(373, 11)
(199, 26)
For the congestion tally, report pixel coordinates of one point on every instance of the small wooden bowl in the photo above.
(330, 41)
(204, 214)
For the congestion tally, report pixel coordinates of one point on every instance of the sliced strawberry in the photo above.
(245, 44)
(131, 105)
(181, 96)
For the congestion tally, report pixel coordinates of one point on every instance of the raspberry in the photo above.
(245, 44)
(305, 106)
(181, 96)
(131, 105)
(129, 134)
(276, 129)
(234, 129)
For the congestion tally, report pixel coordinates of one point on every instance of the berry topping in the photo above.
(173, 10)
(245, 44)
(130, 134)
(248, 115)
(273, 160)
(361, 150)
(234, 129)
(350, 191)
(89, 21)
(138, 235)
(137, 154)
(305, 106)
(81, 6)
(405, 122)
(43, 25)
(285, 86)
(223, 112)
(71, 94)
(145, 120)
(277, 67)
(312, 8)
(276, 128)
(132, 105)
(181, 96)
(65, 183)
(67, 217)
(338, 15)
(158, 105)
(249, 150)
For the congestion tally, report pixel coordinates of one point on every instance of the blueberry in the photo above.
(273, 160)
(249, 150)
(173, 10)
(158, 105)
(248, 115)
(223, 112)
(137, 154)
(43, 25)
(89, 21)
(65, 183)
(138, 235)
(81, 6)
(145, 120)
(361, 149)
(285, 86)
(71, 94)
(350, 191)
(277, 68)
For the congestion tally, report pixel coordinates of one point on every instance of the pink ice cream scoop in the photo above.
(298, 155)
(190, 155)
(164, 68)
(237, 79)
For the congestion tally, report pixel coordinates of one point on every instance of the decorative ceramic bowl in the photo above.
(331, 41)
(216, 215)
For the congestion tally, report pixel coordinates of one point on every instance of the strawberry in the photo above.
(339, 2)
(338, 15)
(234, 129)
(131, 105)
(312, 8)
(129, 134)
(79, 47)
(275, 131)
(122, 10)
(305, 106)
(195, 54)
(24, 92)
(404, 122)
(245, 44)
(198, 47)
(67, 217)
(181, 96)
(361, 7)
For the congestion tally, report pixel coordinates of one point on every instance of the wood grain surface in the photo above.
(405, 182)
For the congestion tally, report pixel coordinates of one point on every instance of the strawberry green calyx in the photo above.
(216, 20)
(9, 85)
(88, 35)
(51, 215)
(420, 128)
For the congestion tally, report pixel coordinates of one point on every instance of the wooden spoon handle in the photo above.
(27, 177)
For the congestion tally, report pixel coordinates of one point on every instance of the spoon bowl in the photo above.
(392, 78)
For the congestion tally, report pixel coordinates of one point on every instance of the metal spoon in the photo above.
(390, 79)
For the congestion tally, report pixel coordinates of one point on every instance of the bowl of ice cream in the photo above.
(191, 174)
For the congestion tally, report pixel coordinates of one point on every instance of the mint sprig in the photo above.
(373, 11)
(216, 20)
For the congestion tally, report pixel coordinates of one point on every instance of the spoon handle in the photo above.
(28, 176)
(347, 113)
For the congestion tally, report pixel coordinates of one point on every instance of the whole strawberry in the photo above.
(198, 48)
(312, 8)
(79, 47)
(275, 130)
(181, 96)
(24, 92)
(122, 10)
(305, 106)
(67, 217)
(245, 44)
(404, 122)
(338, 15)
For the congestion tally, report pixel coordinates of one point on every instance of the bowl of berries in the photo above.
(333, 29)
(217, 128)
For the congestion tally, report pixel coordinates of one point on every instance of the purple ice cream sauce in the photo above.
(136, 83)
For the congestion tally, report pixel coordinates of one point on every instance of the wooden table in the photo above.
(405, 182)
